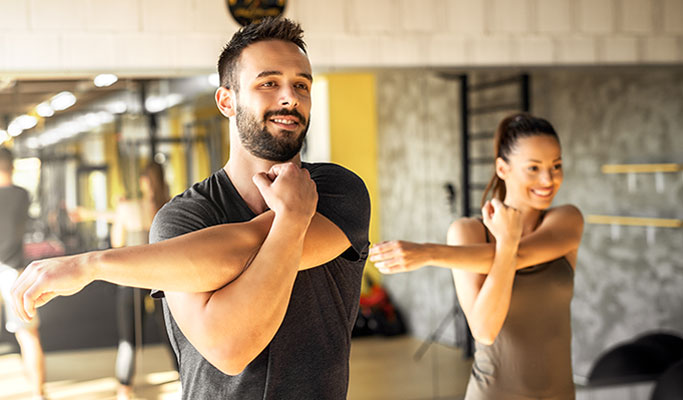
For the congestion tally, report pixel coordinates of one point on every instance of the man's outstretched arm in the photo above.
(200, 261)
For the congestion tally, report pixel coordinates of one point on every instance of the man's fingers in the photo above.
(45, 298)
(261, 181)
(18, 290)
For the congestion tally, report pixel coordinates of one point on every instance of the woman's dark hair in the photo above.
(267, 29)
(154, 172)
(511, 129)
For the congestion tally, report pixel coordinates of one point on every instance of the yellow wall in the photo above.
(353, 135)
(115, 186)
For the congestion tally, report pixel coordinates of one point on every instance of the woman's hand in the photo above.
(399, 256)
(505, 223)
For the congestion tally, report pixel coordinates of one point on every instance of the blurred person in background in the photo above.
(131, 222)
(14, 203)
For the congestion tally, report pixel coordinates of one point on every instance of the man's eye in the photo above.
(302, 86)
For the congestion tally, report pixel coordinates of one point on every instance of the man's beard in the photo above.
(256, 138)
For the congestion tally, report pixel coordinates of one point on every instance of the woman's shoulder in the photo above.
(568, 213)
(466, 230)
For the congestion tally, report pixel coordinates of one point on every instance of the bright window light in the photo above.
(214, 80)
(27, 164)
(104, 80)
(44, 110)
(62, 101)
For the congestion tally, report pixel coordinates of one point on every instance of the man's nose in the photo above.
(289, 97)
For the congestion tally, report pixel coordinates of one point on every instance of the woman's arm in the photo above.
(485, 299)
(558, 235)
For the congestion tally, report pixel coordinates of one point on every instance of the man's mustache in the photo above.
(284, 112)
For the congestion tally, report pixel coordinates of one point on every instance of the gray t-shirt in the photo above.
(309, 356)
(14, 202)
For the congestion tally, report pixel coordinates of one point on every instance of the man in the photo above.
(13, 218)
(260, 264)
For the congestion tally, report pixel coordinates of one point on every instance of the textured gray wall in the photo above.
(629, 279)
(419, 152)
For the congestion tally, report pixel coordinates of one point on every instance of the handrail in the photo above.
(634, 221)
(639, 168)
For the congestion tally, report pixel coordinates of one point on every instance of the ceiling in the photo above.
(22, 96)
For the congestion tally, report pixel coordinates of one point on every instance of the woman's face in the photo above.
(533, 174)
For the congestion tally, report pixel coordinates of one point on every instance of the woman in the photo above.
(131, 221)
(513, 269)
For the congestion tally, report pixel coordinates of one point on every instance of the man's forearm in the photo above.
(257, 301)
(200, 261)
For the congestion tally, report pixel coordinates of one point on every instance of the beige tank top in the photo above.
(531, 357)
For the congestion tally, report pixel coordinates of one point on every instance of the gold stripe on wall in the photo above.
(639, 168)
(634, 221)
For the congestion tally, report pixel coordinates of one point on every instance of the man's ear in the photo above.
(226, 101)
(502, 168)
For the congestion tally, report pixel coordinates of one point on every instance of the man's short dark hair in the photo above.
(6, 159)
(267, 29)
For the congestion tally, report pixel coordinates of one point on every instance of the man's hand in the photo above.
(399, 256)
(289, 191)
(44, 280)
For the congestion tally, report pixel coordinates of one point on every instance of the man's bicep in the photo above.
(324, 242)
(342, 218)
(188, 312)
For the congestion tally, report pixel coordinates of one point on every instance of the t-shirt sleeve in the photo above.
(344, 200)
(178, 217)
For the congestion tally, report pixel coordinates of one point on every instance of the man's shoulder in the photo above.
(335, 176)
(197, 207)
(328, 168)
(14, 193)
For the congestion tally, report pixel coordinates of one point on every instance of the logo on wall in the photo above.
(247, 11)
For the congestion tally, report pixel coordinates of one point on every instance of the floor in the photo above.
(381, 368)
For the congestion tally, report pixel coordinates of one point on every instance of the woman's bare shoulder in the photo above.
(568, 213)
(466, 230)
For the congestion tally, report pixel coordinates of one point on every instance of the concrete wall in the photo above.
(75, 37)
(419, 152)
(628, 279)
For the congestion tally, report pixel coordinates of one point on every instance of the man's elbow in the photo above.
(229, 361)
(485, 336)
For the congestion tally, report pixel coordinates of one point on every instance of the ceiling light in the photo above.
(117, 107)
(104, 80)
(154, 104)
(105, 117)
(26, 121)
(14, 129)
(62, 101)
(44, 110)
